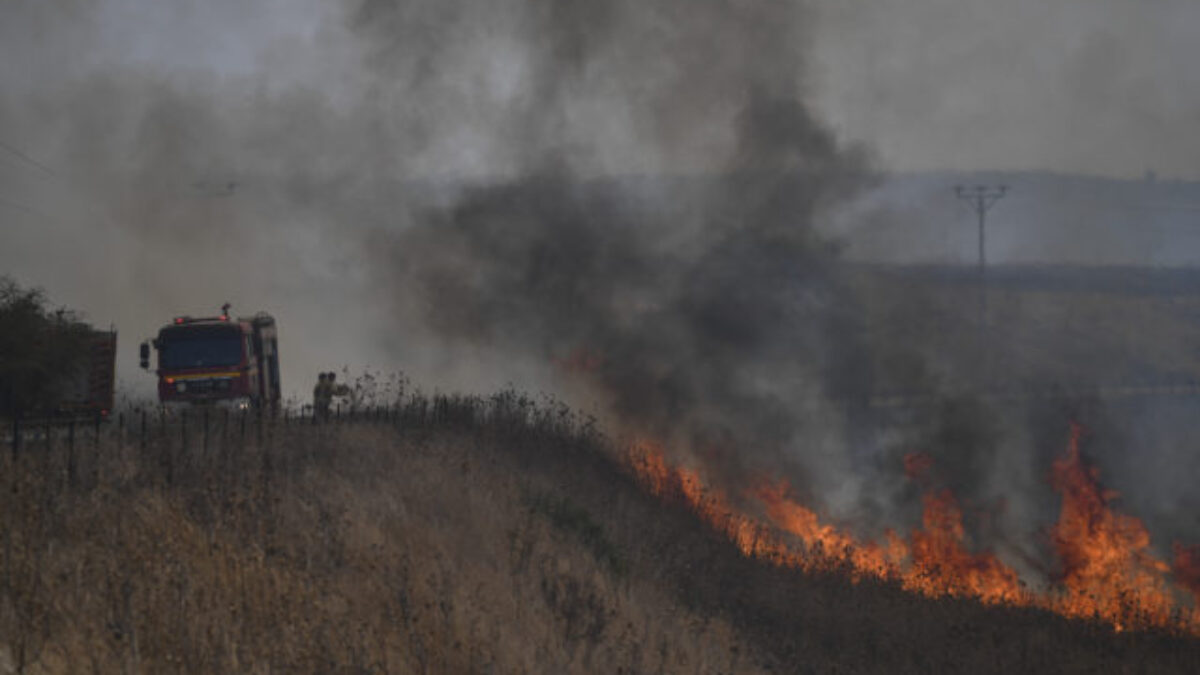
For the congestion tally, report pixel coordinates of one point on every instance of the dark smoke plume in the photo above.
(706, 317)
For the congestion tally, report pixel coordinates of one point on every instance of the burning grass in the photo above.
(1109, 572)
(459, 534)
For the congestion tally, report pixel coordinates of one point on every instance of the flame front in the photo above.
(1108, 570)
(824, 543)
(942, 565)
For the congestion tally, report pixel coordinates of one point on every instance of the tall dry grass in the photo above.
(406, 546)
(449, 535)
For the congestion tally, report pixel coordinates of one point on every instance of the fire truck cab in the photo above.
(218, 361)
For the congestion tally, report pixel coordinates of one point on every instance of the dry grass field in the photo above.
(454, 535)
(1072, 328)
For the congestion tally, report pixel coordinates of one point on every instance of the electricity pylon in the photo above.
(982, 198)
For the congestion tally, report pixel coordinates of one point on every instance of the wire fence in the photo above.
(193, 434)
(189, 430)
(181, 447)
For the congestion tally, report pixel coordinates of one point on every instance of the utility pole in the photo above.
(982, 198)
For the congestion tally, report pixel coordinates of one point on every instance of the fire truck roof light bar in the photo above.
(180, 320)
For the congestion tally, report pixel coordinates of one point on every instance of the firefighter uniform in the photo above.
(322, 397)
(324, 392)
(335, 389)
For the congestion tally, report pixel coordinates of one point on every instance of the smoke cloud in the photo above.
(706, 317)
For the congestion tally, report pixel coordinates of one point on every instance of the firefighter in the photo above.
(322, 397)
(323, 394)
(334, 388)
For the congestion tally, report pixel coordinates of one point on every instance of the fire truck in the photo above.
(87, 391)
(218, 360)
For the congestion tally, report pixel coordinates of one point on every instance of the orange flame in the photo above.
(824, 543)
(1108, 570)
(650, 466)
(942, 565)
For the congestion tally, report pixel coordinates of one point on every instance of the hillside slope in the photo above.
(456, 535)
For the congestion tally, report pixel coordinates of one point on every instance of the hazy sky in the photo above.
(1092, 86)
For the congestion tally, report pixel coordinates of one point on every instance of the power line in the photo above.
(982, 198)
(28, 159)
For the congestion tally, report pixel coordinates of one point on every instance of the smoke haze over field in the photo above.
(621, 202)
(1085, 86)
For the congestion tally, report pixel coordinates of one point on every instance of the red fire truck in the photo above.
(218, 360)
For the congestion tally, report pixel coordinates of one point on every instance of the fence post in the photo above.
(71, 453)
(7, 562)
(96, 438)
(164, 444)
(206, 432)
(265, 449)
(16, 434)
(167, 459)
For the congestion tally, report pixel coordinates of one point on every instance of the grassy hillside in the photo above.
(456, 535)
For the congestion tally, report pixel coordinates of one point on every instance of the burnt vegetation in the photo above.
(445, 534)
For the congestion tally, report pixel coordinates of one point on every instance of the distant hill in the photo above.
(1046, 218)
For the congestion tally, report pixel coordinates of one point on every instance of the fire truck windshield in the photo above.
(198, 348)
